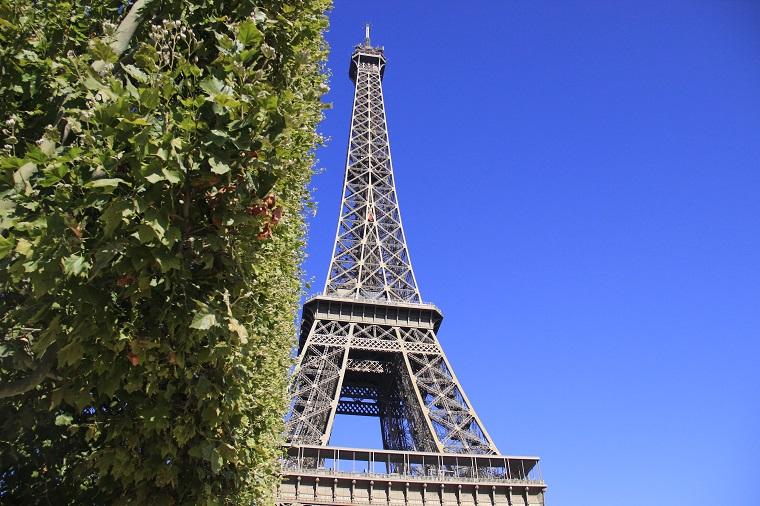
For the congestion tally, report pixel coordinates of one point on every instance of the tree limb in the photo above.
(125, 31)
(37, 376)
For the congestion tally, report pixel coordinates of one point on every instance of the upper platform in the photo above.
(366, 54)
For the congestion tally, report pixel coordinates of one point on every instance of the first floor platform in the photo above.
(324, 475)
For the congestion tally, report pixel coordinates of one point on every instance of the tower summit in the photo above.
(365, 53)
(369, 347)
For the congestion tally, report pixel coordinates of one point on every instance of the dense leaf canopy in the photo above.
(151, 234)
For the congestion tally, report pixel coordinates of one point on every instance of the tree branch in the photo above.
(125, 31)
(37, 376)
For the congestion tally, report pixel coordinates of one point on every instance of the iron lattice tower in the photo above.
(368, 347)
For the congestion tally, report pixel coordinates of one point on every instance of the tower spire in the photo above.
(366, 35)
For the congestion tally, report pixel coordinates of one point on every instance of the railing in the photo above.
(380, 302)
(393, 464)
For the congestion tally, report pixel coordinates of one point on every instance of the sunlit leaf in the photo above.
(104, 183)
(249, 34)
(203, 321)
(218, 167)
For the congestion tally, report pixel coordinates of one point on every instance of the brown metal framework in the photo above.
(368, 345)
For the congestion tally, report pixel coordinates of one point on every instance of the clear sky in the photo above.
(580, 188)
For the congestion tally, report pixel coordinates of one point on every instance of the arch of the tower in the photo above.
(390, 368)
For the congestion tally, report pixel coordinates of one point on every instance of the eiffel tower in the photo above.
(368, 347)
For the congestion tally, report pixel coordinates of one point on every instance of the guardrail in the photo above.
(394, 464)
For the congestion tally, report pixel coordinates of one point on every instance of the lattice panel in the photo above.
(358, 408)
(330, 340)
(422, 348)
(361, 400)
(453, 420)
(374, 332)
(312, 390)
(415, 335)
(375, 345)
(419, 340)
(331, 328)
(366, 366)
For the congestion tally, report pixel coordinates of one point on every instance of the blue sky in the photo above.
(580, 189)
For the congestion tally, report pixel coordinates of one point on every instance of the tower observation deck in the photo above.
(369, 347)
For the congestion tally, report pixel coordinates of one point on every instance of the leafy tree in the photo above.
(153, 174)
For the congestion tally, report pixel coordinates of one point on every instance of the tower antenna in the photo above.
(366, 34)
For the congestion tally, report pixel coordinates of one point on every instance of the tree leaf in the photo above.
(268, 51)
(102, 51)
(154, 178)
(105, 183)
(149, 97)
(145, 234)
(136, 73)
(114, 215)
(203, 320)
(70, 354)
(6, 246)
(47, 336)
(217, 462)
(171, 175)
(75, 265)
(23, 247)
(218, 167)
(22, 175)
(249, 34)
(259, 15)
(236, 327)
(212, 85)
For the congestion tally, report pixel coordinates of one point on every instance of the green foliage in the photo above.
(151, 234)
